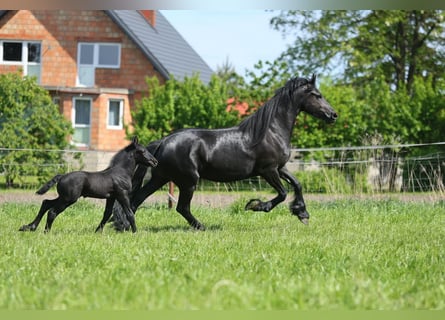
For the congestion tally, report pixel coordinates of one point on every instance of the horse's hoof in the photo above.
(26, 228)
(253, 205)
(305, 221)
(199, 227)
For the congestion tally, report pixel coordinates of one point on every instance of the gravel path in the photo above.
(223, 199)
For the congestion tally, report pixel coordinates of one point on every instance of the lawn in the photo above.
(355, 254)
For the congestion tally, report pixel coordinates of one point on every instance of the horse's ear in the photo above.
(135, 140)
(314, 77)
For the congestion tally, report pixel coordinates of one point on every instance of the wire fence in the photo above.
(351, 170)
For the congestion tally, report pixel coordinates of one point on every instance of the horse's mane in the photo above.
(257, 123)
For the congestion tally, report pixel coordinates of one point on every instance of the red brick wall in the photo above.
(60, 31)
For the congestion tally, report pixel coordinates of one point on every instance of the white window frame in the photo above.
(73, 120)
(95, 64)
(24, 59)
(121, 114)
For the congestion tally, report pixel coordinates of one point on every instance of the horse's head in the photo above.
(313, 102)
(141, 154)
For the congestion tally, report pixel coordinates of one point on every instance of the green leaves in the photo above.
(181, 104)
(29, 120)
(398, 44)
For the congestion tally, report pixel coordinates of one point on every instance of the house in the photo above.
(94, 64)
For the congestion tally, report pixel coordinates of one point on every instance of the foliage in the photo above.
(392, 81)
(375, 109)
(355, 254)
(332, 181)
(393, 67)
(181, 104)
(396, 44)
(30, 121)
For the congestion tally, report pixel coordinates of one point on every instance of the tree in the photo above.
(399, 45)
(227, 73)
(30, 125)
(181, 104)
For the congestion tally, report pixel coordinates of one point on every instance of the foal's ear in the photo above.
(135, 140)
(314, 77)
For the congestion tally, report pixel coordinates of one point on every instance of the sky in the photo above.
(242, 37)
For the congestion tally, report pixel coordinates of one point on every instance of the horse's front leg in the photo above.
(273, 178)
(297, 207)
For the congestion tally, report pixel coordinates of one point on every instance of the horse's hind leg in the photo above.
(183, 207)
(57, 209)
(107, 214)
(298, 207)
(46, 205)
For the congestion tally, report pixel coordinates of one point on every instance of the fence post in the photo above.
(171, 190)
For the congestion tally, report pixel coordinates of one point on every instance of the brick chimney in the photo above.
(150, 16)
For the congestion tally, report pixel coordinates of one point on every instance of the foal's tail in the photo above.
(49, 184)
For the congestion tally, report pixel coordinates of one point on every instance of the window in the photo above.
(81, 121)
(115, 114)
(109, 56)
(12, 51)
(96, 55)
(24, 53)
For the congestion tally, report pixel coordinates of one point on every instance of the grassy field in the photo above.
(355, 254)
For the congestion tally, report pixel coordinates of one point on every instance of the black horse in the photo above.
(113, 183)
(258, 146)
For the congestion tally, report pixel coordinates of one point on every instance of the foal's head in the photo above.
(141, 154)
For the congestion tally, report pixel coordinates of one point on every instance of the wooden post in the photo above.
(171, 190)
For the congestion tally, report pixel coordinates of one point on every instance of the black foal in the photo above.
(113, 183)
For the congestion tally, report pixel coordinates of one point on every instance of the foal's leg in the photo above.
(298, 207)
(121, 223)
(273, 178)
(124, 201)
(57, 209)
(183, 207)
(107, 214)
(46, 205)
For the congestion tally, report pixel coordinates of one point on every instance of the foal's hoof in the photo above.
(305, 221)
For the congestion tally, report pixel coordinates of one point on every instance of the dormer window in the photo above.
(96, 55)
(26, 54)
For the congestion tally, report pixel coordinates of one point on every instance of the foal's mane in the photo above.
(121, 157)
(257, 123)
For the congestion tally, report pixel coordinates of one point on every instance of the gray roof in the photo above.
(162, 44)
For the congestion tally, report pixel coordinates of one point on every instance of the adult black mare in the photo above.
(113, 183)
(258, 146)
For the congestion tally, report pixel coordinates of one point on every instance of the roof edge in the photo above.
(156, 63)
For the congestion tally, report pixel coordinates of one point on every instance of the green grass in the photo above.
(355, 254)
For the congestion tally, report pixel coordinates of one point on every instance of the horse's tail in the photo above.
(120, 222)
(49, 184)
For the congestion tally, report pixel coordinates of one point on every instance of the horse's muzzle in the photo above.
(331, 117)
